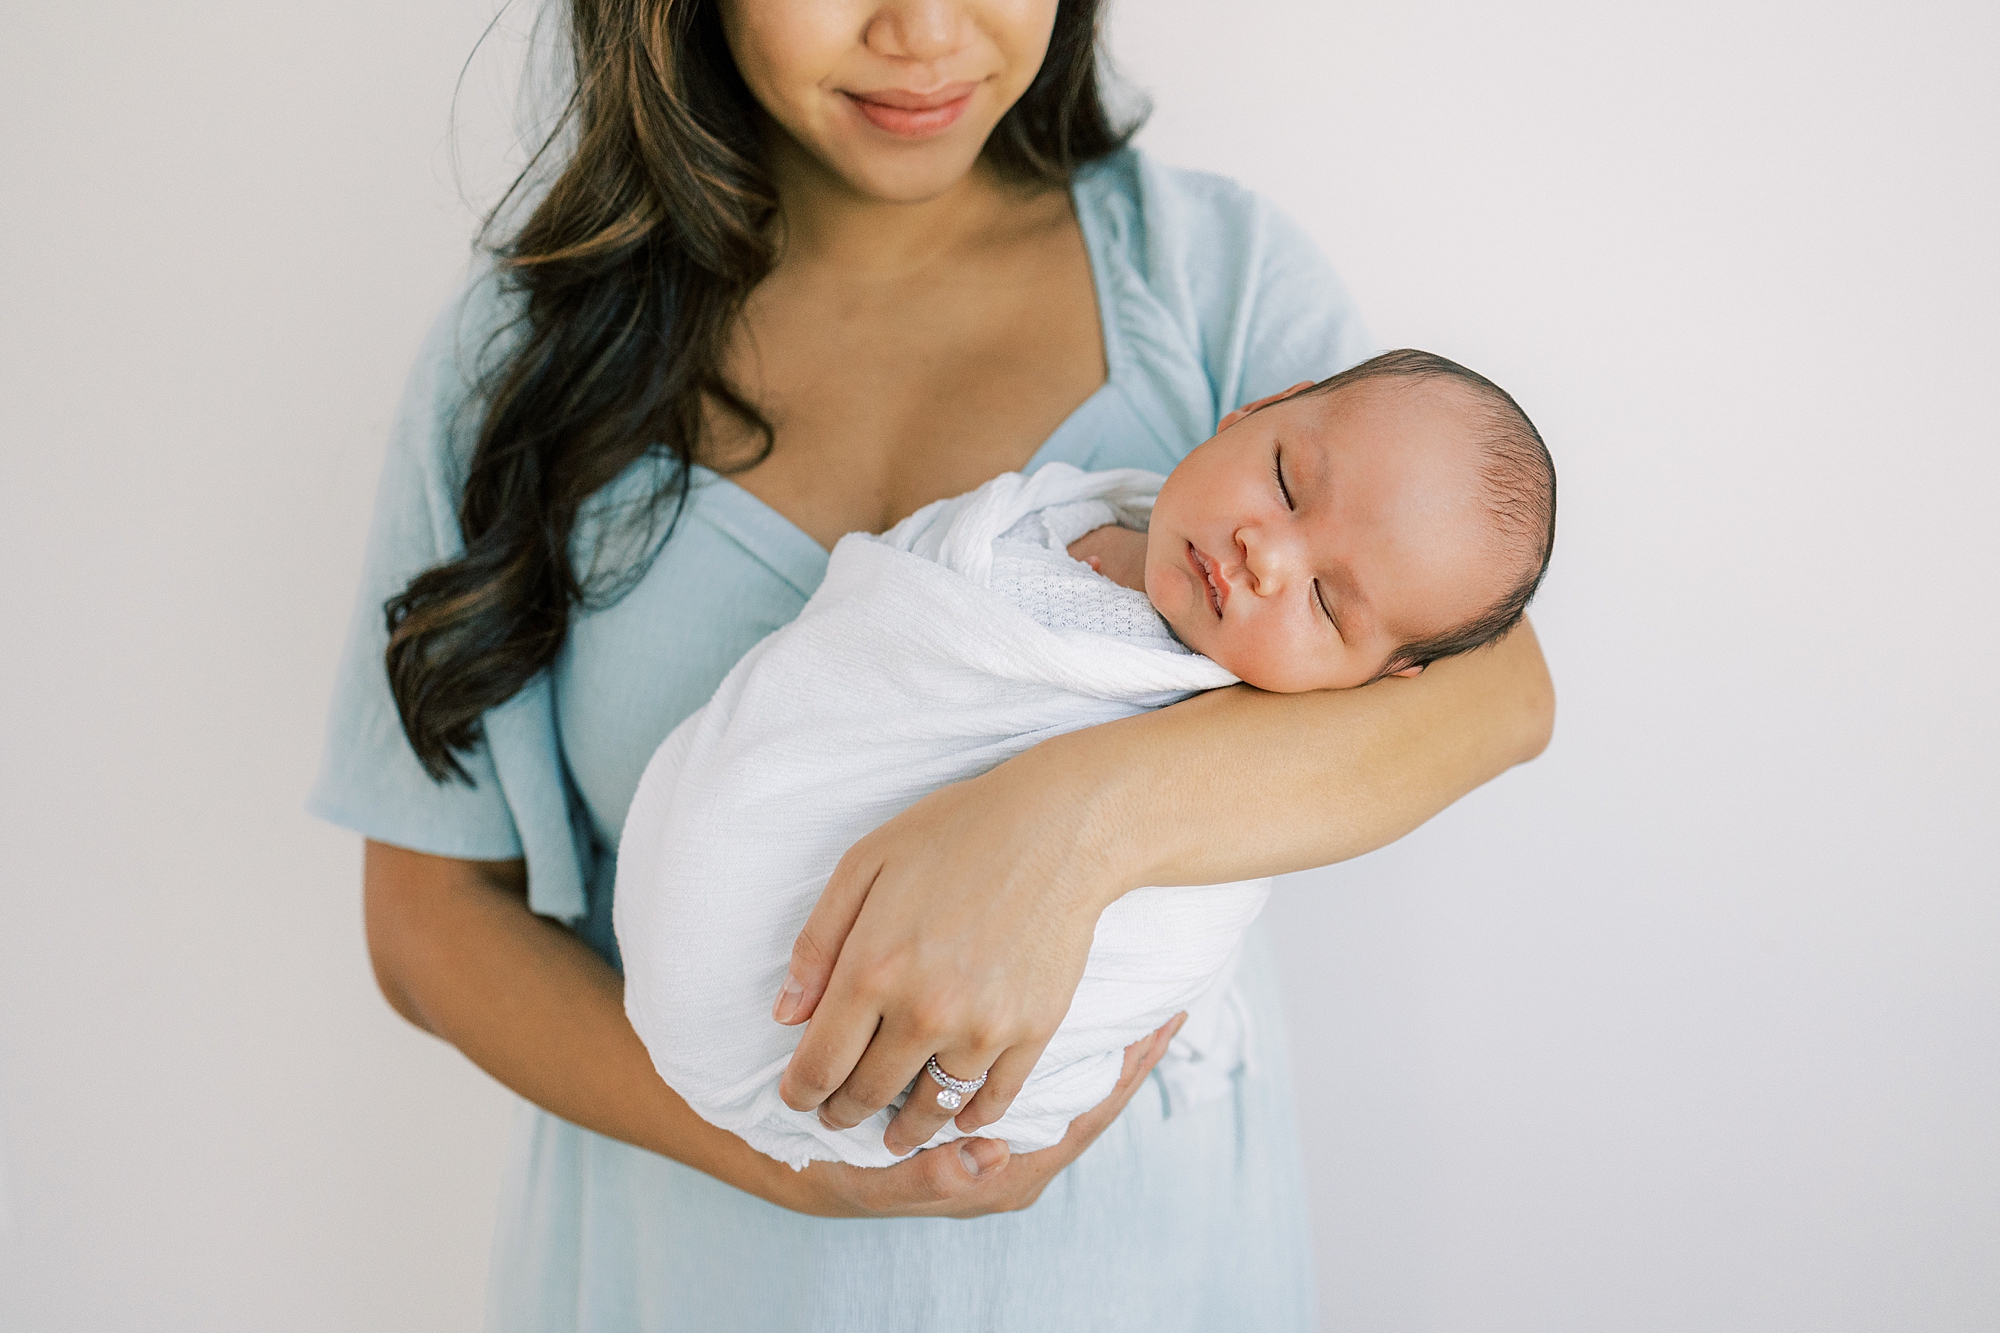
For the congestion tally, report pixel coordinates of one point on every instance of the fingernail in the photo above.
(981, 1155)
(788, 999)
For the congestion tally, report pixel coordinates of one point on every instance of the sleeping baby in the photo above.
(1398, 513)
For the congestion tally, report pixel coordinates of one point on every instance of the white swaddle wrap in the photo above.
(955, 640)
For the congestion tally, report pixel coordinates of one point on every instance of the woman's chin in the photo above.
(904, 174)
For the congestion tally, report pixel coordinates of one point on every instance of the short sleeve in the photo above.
(1224, 279)
(370, 780)
(1286, 317)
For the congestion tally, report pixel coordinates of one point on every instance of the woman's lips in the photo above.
(1204, 572)
(909, 115)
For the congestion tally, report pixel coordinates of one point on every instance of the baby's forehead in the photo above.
(1430, 399)
(1435, 433)
(1413, 457)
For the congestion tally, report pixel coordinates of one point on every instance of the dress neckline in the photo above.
(795, 556)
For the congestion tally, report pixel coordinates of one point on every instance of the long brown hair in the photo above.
(628, 274)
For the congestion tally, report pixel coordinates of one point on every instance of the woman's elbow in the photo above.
(1539, 726)
(387, 924)
(397, 886)
(1536, 711)
(419, 911)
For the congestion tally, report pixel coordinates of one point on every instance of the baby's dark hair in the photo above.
(1520, 483)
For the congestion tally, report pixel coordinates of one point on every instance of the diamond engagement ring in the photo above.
(952, 1092)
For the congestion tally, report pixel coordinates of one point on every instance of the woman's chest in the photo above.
(731, 572)
(884, 396)
(734, 571)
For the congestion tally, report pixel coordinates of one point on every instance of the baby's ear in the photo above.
(1248, 408)
(1408, 672)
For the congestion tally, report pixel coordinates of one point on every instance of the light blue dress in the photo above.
(1177, 1218)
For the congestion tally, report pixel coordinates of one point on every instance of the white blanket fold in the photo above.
(905, 672)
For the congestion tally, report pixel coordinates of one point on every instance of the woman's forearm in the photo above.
(1238, 783)
(962, 925)
(459, 954)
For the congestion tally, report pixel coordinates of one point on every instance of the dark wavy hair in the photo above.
(629, 272)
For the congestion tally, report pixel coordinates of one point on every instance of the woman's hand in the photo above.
(960, 927)
(458, 953)
(972, 1177)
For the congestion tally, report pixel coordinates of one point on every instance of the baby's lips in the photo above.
(1206, 577)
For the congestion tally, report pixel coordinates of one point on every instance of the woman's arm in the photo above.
(961, 926)
(1282, 782)
(457, 952)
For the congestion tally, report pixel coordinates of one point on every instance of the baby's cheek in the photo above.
(1275, 659)
(1245, 654)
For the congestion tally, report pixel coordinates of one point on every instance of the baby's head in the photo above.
(1366, 526)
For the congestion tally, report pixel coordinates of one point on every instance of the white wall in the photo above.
(228, 225)
(1690, 1025)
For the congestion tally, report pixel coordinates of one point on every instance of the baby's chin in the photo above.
(1205, 637)
(1160, 590)
(1189, 635)
(1281, 677)
(1250, 674)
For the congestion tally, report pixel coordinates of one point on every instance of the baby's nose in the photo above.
(1265, 559)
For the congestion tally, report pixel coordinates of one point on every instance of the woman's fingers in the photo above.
(948, 1179)
(973, 1177)
(1028, 1175)
(817, 947)
(923, 1115)
(879, 1074)
(893, 965)
(827, 1054)
(1003, 1084)
(1140, 1057)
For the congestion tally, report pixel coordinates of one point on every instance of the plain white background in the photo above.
(1692, 1025)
